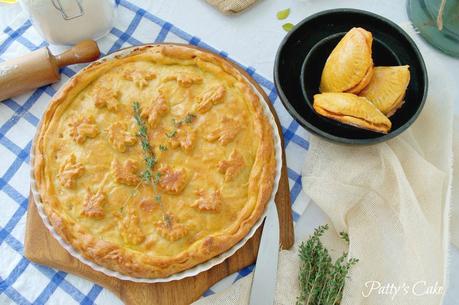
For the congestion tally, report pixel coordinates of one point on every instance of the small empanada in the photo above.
(349, 67)
(387, 88)
(351, 109)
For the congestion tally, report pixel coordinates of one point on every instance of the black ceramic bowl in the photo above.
(302, 55)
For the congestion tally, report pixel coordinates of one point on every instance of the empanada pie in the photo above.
(387, 88)
(349, 67)
(356, 93)
(351, 109)
(153, 162)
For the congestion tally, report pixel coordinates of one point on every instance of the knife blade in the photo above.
(265, 274)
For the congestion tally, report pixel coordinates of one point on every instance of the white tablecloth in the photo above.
(253, 38)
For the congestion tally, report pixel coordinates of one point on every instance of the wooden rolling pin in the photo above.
(40, 68)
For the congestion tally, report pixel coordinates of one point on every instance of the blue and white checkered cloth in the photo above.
(24, 282)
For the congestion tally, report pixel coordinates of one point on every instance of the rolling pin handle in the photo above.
(85, 51)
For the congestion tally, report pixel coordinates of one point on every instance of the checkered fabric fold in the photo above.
(24, 282)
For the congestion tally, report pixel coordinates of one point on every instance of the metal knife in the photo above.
(265, 274)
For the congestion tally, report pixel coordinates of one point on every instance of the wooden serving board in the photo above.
(42, 248)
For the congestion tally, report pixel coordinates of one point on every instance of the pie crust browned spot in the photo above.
(214, 157)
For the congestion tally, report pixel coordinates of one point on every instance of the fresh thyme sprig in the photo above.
(188, 119)
(150, 160)
(132, 194)
(344, 236)
(321, 280)
(171, 133)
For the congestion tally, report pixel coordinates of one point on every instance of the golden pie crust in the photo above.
(214, 171)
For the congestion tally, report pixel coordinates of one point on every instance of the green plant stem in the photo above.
(321, 280)
(150, 160)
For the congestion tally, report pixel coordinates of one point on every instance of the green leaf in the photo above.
(136, 107)
(145, 145)
(281, 15)
(146, 176)
(344, 236)
(156, 177)
(288, 26)
(143, 130)
(171, 134)
(176, 123)
(150, 161)
(189, 118)
(167, 219)
(162, 147)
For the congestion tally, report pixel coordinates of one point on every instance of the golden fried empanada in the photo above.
(351, 109)
(387, 88)
(349, 67)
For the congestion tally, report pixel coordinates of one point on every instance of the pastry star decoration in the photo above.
(105, 97)
(207, 201)
(130, 229)
(232, 167)
(83, 128)
(158, 108)
(119, 137)
(172, 180)
(140, 78)
(93, 204)
(208, 99)
(170, 229)
(126, 173)
(148, 204)
(183, 138)
(185, 80)
(70, 171)
(226, 133)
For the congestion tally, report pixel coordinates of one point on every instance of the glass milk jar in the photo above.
(66, 22)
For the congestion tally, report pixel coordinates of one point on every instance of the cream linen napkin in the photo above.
(231, 6)
(393, 200)
(455, 194)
